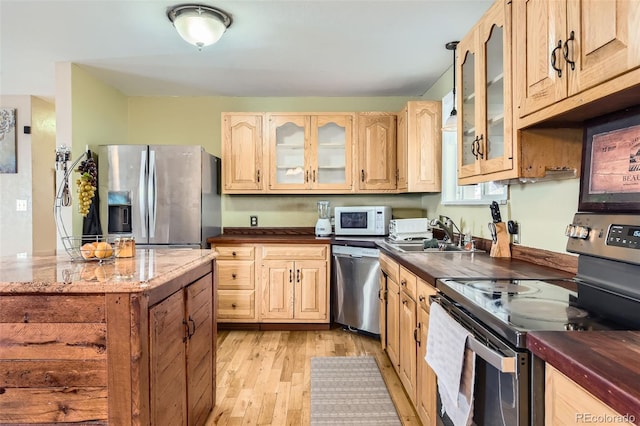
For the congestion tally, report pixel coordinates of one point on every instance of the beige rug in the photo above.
(349, 391)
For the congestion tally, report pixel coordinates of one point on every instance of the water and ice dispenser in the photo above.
(119, 212)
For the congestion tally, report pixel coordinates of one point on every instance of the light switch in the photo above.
(21, 205)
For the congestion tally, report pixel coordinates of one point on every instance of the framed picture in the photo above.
(610, 179)
(8, 141)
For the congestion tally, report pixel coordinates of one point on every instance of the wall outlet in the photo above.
(253, 220)
(21, 205)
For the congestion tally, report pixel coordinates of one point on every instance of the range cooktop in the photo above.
(514, 307)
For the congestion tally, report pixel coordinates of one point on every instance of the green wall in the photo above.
(99, 116)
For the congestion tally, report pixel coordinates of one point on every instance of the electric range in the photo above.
(604, 295)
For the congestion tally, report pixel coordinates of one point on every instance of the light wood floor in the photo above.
(264, 377)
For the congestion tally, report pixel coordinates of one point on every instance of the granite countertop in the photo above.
(149, 268)
(605, 363)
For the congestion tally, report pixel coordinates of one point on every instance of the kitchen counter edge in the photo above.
(604, 363)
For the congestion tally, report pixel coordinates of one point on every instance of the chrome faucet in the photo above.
(447, 225)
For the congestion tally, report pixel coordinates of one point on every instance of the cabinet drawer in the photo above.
(390, 267)
(408, 283)
(423, 292)
(293, 252)
(236, 252)
(236, 274)
(236, 304)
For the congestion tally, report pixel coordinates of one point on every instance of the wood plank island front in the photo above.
(124, 342)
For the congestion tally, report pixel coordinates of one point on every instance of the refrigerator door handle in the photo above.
(143, 194)
(151, 198)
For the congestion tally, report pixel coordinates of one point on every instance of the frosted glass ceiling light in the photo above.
(198, 24)
(451, 125)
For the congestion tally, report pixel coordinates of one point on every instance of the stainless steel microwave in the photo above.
(362, 220)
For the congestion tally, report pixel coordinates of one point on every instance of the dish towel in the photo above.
(453, 363)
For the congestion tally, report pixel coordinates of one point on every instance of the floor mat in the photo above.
(349, 391)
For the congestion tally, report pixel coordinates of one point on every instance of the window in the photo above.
(481, 193)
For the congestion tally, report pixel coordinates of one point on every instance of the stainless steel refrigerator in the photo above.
(162, 195)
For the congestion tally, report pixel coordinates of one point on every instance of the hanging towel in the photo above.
(453, 364)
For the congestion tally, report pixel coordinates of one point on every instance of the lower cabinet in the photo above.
(236, 268)
(181, 355)
(273, 283)
(426, 379)
(390, 309)
(408, 332)
(567, 403)
(296, 289)
(404, 310)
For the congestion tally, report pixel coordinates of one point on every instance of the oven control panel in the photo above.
(624, 236)
(609, 236)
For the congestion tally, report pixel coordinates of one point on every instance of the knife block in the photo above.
(501, 248)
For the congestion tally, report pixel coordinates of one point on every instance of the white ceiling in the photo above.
(273, 47)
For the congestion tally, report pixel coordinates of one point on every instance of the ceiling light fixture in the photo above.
(451, 125)
(198, 24)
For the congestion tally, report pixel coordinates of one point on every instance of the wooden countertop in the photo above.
(605, 363)
(476, 265)
(58, 274)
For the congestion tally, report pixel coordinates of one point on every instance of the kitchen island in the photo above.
(123, 342)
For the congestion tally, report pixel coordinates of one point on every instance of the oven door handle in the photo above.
(504, 364)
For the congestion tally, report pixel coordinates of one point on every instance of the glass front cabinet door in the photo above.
(484, 99)
(311, 152)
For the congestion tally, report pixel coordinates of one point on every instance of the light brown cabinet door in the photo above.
(423, 155)
(242, 153)
(382, 302)
(393, 323)
(408, 345)
(277, 290)
(167, 355)
(540, 27)
(567, 47)
(564, 399)
(200, 352)
(289, 152)
(485, 130)
(331, 160)
(310, 290)
(426, 378)
(402, 152)
(377, 151)
(602, 39)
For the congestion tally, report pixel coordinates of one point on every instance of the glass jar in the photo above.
(125, 247)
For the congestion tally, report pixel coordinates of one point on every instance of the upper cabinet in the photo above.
(376, 152)
(419, 147)
(310, 152)
(243, 168)
(573, 47)
(484, 96)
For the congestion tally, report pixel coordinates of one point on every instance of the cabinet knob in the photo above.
(421, 298)
(233, 276)
(258, 175)
(362, 175)
(233, 305)
(233, 253)
(403, 283)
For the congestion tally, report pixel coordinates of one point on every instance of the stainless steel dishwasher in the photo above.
(354, 288)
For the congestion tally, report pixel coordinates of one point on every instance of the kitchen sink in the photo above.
(417, 247)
